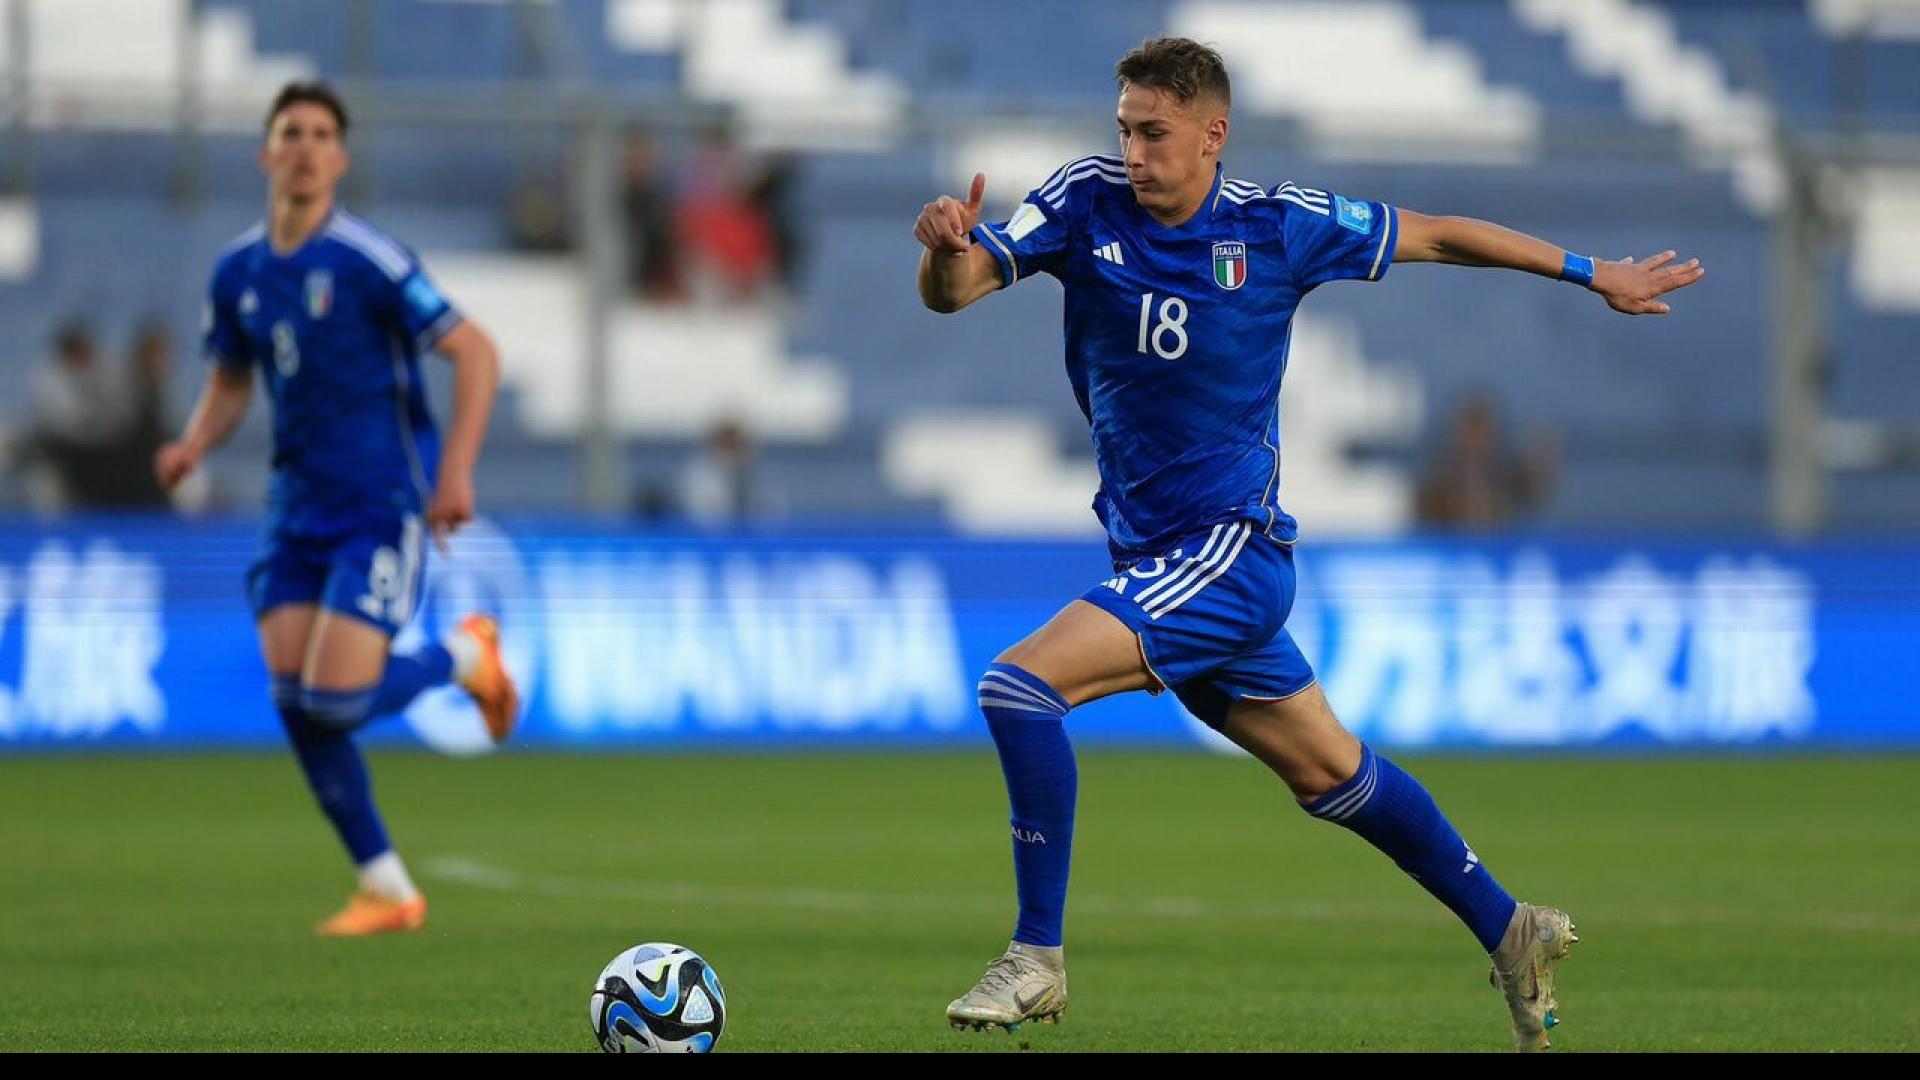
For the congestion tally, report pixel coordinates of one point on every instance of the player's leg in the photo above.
(334, 769)
(1084, 654)
(370, 589)
(345, 667)
(286, 587)
(470, 656)
(1081, 654)
(346, 657)
(376, 580)
(327, 758)
(284, 630)
(1337, 778)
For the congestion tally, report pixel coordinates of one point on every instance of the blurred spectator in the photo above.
(537, 214)
(717, 487)
(148, 420)
(79, 412)
(771, 191)
(94, 429)
(728, 239)
(74, 397)
(653, 250)
(1476, 481)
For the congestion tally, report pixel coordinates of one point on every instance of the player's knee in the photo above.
(1311, 782)
(336, 710)
(1312, 770)
(1009, 693)
(288, 702)
(285, 691)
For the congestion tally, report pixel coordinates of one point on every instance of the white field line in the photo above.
(478, 874)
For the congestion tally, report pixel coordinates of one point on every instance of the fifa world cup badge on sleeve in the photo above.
(424, 298)
(1357, 216)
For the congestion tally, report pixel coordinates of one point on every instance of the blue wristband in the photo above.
(1577, 269)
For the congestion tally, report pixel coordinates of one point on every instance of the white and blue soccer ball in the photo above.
(657, 998)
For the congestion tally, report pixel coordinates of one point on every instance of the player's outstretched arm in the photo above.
(218, 412)
(476, 377)
(954, 271)
(1634, 288)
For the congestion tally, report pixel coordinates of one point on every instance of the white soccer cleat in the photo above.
(1027, 982)
(1536, 941)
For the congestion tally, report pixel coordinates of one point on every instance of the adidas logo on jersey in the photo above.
(1111, 253)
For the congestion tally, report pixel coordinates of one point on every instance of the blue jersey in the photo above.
(1176, 338)
(336, 329)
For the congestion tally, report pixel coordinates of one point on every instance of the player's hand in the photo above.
(1636, 288)
(945, 222)
(452, 507)
(172, 463)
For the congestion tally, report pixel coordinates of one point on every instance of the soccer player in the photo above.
(1180, 282)
(335, 315)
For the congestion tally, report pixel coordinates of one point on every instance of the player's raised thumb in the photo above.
(974, 193)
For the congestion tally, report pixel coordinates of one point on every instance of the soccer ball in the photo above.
(657, 998)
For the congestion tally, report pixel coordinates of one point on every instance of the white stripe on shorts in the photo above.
(1188, 569)
(1222, 562)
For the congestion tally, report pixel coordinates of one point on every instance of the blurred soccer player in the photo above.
(1180, 284)
(335, 315)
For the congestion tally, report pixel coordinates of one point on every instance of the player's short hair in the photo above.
(310, 93)
(1181, 66)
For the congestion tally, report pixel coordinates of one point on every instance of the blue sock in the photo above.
(337, 710)
(1026, 717)
(335, 771)
(406, 676)
(1394, 813)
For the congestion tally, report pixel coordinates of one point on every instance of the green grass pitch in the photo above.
(165, 903)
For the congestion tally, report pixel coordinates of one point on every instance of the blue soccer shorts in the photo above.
(372, 571)
(1211, 617)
